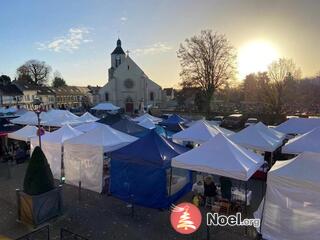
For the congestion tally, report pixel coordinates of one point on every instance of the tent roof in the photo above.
(61, 135)
(308, 142)
(106, 107)
(304, 167)
(86, 127)
(298, 125)
(110, 119)
(174, 119)
(6, 126)
(24, 134)
(88, 117)
(29, 118)
(222, 157)
(258, 137)
(150, 149)
(199, 132)
(147, 116)
(58, 118)
(104, 136)
(129, 127)
(147, 123)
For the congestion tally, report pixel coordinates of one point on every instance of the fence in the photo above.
(43, 233)
(68, 235)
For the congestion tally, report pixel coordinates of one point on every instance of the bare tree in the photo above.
(39, 71)
(208, 62)
(279, 72)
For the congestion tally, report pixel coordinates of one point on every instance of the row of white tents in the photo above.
(54, 118)
(82, 152)
(291, 209)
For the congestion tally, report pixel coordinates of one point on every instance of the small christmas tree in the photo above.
(38, 178)
(185, 221)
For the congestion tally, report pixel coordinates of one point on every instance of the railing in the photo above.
(42, 233)
(68, 235)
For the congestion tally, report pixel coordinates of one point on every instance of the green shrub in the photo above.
(38, 178)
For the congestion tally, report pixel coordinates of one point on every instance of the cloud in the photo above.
(68, 43)
(155, 48)
(123, 19)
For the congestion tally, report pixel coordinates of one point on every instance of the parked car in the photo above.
(251, 121)
(233, 121)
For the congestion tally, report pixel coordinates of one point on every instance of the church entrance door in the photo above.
(129, 105)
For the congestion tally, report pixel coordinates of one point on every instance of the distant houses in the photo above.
(22, 93)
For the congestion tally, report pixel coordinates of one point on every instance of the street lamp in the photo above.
(37, 108)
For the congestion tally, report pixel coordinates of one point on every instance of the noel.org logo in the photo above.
(185, 218)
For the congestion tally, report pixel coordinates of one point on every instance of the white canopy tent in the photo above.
(199, 132)
(222, 157)
(87, 117)
(25, 133)
(52, 146)
(148, 116)
(84, 155)
(87, 127)
(52, 118)
(292, 209)
(105, 107)
(147, 123)
(58, 118)
(29, 118)
(308, 142)
(298, 125)
(259, 137)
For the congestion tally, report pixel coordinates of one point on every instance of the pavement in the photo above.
(98, 216)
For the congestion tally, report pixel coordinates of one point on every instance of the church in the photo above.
(128, 86)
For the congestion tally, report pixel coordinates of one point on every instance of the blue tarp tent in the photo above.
(141, 172)
(174, 119)
(130, 127)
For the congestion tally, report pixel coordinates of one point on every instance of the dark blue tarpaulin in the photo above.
(173, 124)
(130, 127)
(110, 119)
(174, 119)
(139, 172)
(7, 127)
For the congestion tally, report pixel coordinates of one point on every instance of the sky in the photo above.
(76, 37)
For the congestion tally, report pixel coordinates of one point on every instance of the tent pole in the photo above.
(170, 181)
(263, 206)
(246, 209)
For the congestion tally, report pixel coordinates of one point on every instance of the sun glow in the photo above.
(255, 56)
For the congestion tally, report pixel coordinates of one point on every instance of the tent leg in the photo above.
(132, 206)
(262, 211)
(170, 181)
(246, 209)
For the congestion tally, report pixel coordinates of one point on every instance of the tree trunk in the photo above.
(207, 99)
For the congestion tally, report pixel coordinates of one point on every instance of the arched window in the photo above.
(106, 96)
(151, 96)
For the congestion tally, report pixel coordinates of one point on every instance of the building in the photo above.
(10, 95)
(128, 86)
(31, 91)
(93, 94)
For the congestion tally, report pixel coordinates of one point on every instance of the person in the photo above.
(210, 191)
(198, 191)
(20, 155)
(226, 186)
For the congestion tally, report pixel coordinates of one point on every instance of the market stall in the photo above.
(85, 156)
(143, 166)
(290, 209)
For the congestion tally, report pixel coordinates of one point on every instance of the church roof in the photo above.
(118, 49)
